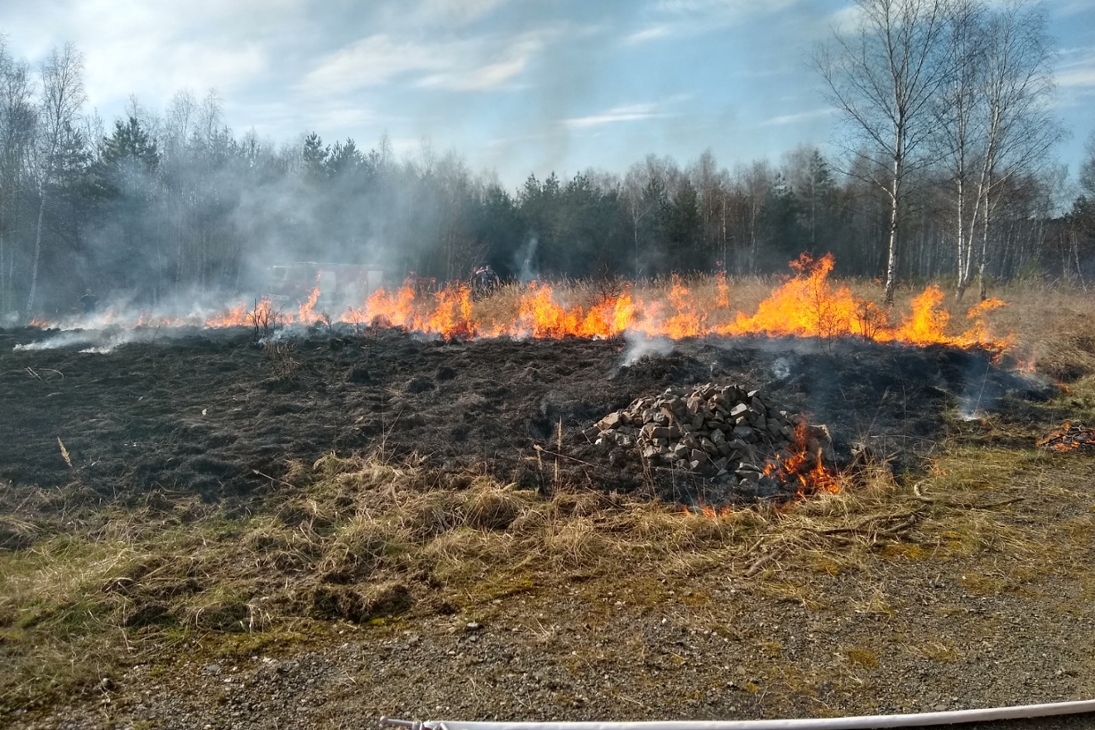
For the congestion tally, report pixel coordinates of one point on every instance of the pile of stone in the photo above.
(720, 432)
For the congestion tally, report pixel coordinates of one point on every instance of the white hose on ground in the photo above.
(863, 722)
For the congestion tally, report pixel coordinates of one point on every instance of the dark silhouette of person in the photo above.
(89, 302)
(485, 280)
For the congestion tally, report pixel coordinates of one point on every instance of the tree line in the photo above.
(944, 172)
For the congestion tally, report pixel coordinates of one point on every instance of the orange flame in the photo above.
(1069, 438)
(807, 304)
(805, 465)
(308, 306)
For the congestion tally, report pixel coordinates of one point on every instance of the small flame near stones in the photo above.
(728, 435)
(1069, 438)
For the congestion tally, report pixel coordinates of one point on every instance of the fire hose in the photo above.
(862, 722)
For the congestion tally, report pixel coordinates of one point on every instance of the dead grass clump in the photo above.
(279, 355)
(357, 549)
(492, 508)
(16, 534)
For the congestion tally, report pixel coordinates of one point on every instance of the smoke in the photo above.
(90, 341)
(524, 261)
(639, 346)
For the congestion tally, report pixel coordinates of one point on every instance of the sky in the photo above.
(512, 86)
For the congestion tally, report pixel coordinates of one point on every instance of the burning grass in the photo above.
(806, 304)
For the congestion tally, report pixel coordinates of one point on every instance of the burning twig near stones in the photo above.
(728, 435)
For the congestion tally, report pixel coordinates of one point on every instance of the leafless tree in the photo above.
(59, 111)
(753, 184)
(17, 125)
(883, 77)
(995, 116)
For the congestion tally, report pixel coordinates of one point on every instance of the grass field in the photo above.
(89, 587)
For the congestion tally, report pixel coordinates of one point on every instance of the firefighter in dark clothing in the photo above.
(88, 302)
(485, 280)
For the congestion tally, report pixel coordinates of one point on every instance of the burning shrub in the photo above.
(725, 434)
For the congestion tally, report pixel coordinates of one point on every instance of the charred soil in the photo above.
(217, 414)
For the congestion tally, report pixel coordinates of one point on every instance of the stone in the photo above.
(660, 432)
(738, 446)
(739, 410)
(610, 421)
(744, 433)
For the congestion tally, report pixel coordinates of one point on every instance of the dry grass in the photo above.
(362, 540)
(370, 541)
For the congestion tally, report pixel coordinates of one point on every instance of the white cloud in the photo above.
(1076, 68)
(797, 117)
(153, 47)
(455, 11)
(629, 113)
(650, 33)
(376, 60)
(473, 64)
(676, 18)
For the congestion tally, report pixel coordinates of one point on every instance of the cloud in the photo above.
(495, 74)
(1076, 69)
(615, 115)
(455, 11)
(797, 117)
(650, 33)
(468, 64)
(678, 18)
(153, 47)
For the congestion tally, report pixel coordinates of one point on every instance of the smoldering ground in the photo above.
(215, 413)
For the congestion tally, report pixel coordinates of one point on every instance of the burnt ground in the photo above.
(214, 412)
(986, 602)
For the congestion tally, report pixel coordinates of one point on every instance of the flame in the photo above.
(807, 304)
(804, 464)
(308, 306)
(39, 323)
(263, 314)
(1069, 438)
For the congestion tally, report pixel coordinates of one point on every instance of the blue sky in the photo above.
(514, 86)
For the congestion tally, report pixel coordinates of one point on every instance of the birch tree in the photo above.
(1018, 95)
(994, 116)
(17, 122)
(883, 77)
(58, 116)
